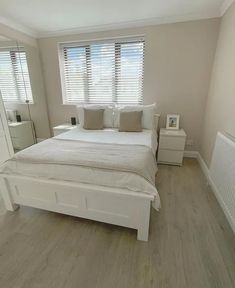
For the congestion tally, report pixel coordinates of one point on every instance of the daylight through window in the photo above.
(103, 72)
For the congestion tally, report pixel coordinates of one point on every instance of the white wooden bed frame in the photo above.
(105, 204)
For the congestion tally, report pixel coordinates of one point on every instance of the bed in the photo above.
(73, 174)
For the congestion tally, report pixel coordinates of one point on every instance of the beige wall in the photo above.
(220, 108)
(39, 108)
(178, 63)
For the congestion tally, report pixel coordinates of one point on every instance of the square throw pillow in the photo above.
(147, 118)
(93, 119)
(108, 113)
(130, 121)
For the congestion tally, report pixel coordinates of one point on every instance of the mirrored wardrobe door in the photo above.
(6, 148)
(15, 90)
(35, 109)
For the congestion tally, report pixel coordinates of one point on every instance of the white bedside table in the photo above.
(171, 146)
(22, 134)
(63, 128)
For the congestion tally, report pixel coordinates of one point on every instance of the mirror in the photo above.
(23, 94)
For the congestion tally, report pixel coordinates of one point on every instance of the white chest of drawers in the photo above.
(22, 134)
(171, 146)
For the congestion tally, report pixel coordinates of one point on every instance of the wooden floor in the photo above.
(191, 244)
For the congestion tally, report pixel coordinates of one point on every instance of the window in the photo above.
(14, 76)
(103, 72)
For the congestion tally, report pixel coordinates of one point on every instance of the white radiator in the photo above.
(222, 174)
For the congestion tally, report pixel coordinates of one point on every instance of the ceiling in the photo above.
(42, 18)
(3, 38)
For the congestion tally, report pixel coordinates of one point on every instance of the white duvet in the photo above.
(94, 176)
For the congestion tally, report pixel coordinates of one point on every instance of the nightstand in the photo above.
(63, 128)
(171, 146)
(22, 134)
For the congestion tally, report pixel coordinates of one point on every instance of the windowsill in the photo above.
(111, 104)
(18, 103)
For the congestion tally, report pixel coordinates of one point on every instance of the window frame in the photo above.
(85, 44)
(12, 50)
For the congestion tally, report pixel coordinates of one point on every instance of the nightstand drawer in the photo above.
(170, 157)
(172, 143)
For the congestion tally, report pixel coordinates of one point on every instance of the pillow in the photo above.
(108, 113)
(130, 121)
(147, 118)
(93, 119)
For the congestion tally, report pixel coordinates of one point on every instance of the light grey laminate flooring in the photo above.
(190, 246)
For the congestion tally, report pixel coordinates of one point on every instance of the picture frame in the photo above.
(173, 121)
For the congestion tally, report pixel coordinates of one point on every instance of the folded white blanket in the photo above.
(125, 158)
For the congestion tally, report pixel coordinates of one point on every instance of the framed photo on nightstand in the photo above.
(173, 121)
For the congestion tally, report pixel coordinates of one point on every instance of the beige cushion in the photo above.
(93, 119)
(147, 118)
(108, 113)
(130, 121)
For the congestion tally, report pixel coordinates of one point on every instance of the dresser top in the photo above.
(168, 132)
(16, 124)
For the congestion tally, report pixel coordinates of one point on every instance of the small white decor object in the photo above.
(173, 121)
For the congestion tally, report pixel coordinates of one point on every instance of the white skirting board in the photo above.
(203, 166)
(197, 155)
(190, 154)
(206, 172)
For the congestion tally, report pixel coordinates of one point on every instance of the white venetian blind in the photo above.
(129, 72)
(14, 76)
(103, 72)
(75, 76)
(101, 67)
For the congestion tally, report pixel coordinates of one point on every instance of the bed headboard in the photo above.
(156, 120)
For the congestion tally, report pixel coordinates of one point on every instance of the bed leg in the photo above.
(143, 229)
(9, 204)
(143, 234)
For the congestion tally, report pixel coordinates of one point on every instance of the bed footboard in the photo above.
(109, 205)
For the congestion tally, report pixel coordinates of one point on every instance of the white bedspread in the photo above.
(89, 175)
(113, 136)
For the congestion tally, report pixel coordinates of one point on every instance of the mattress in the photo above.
(90, 175)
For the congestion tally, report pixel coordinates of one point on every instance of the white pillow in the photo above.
(108, 113)
(147, 118)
